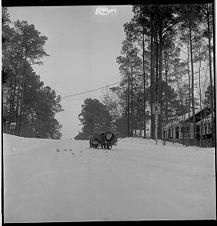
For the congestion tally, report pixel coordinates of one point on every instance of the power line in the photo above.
(88, 91)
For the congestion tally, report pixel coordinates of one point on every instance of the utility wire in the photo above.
(88, 91)
(103, 87)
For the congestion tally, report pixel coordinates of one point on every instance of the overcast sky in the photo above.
(83, 48)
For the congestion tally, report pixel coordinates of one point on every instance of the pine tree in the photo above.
(94, 117)
(26, 101)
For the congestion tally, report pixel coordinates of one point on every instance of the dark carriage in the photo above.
(103, 140)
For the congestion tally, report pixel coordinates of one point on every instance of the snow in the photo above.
(136, 180)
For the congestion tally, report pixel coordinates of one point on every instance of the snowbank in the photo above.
(14, 144)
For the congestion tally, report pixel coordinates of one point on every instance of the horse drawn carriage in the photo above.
(105, 140)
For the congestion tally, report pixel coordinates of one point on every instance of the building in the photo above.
(182, 129)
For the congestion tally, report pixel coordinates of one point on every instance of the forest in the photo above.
(28, 104)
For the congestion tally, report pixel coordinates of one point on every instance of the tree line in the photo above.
(166, 58)
(26, 100)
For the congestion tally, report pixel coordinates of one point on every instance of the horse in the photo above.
(93, 141)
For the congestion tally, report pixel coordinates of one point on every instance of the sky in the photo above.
(83, 48)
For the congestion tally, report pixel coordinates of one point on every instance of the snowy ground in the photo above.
(137, 180)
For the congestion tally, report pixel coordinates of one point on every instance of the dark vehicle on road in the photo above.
(105, 140)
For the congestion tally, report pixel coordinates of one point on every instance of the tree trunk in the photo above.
(19, 105)
(152, 80)
(189, 86)
(128, 106)
(144, 80)
(160, 81)
(210, 74)
(12, 100)
(201, 137)
(17, 111)
(156, 78)
(22, 96)
(192, 79)
(166, 81)
(131, 108)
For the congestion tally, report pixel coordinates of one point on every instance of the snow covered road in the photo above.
(136, 180)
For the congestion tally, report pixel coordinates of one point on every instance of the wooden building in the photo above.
(182, 130)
